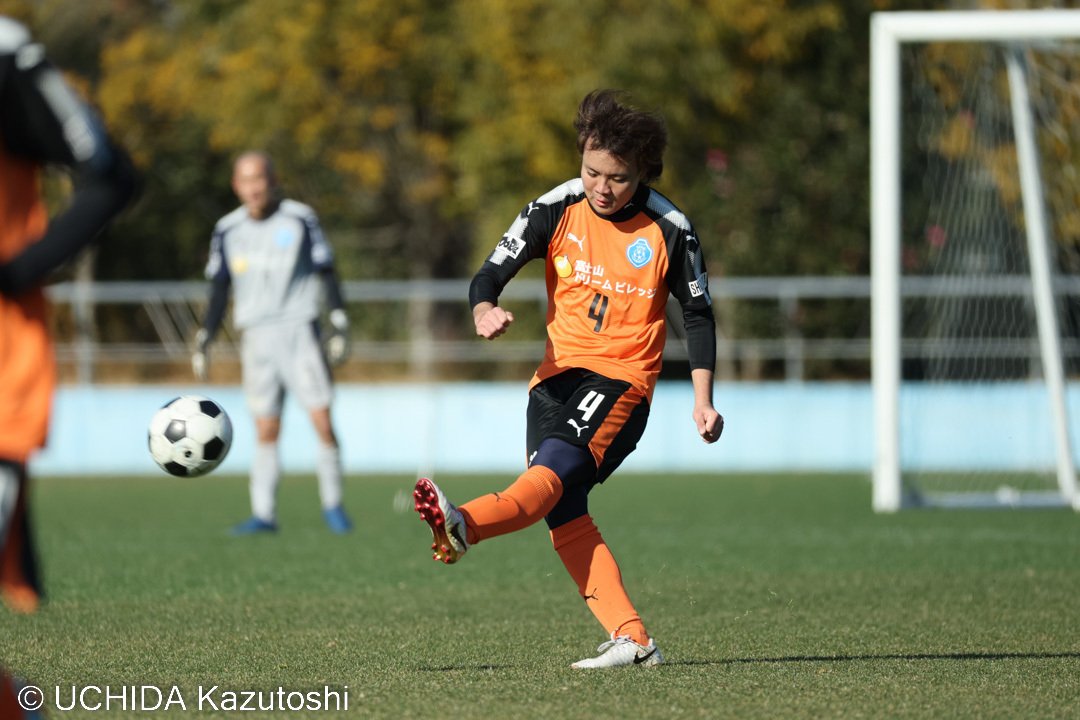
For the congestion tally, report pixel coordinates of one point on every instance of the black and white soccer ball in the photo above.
(190, 436)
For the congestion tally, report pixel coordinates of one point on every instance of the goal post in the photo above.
(1006, 32)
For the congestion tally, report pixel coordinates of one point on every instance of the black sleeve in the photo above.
(700, 337)
(689, 283)
(219, 301)
(335, 300)
(96, 200)
(487, 284)
(42, 120)
(526, 239)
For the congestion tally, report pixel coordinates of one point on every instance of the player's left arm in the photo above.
(709, 422)
(337, 345)
(689, 283)
(322, 255)
(44, 122)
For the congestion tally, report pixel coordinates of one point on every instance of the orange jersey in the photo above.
(44, 122)
(608, 280)
(27, 370)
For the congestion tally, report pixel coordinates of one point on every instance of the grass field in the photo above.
(771, 597)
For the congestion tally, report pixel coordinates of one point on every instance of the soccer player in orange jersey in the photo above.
(614, 249)
(41, 122)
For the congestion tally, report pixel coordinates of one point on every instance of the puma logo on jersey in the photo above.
(574, 239)
(577, 427)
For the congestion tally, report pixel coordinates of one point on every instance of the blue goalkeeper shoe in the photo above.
(337, 520)
(254, 526)
(446, 522)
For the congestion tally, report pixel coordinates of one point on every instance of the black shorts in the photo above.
(591, 411)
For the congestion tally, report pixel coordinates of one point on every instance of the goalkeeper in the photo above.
(272, 254)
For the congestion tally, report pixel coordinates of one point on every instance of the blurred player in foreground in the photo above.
(272, 253)
(42, 122)
(614, 249)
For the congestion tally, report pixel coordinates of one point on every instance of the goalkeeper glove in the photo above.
(200, 363)
(337, 345)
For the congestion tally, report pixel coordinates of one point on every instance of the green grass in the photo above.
(771, 597)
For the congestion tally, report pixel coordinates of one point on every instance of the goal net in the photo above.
(976, 240)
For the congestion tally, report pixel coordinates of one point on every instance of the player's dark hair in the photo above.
(605, 121)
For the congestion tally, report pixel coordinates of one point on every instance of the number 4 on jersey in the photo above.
(597, 310)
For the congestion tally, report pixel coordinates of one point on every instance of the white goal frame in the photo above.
(888, 31)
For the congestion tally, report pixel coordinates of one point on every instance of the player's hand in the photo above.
(710, 424)
(491, 320)
(200, 361)
(337, 345)
(200, 365)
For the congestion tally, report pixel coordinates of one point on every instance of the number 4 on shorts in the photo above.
(589, 404)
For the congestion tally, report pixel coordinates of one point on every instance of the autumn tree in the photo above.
(419, 128)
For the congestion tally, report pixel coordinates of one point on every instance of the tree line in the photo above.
(419, 128)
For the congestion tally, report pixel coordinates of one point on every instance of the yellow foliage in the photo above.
(774, 31)
(1000, 162)
(366, 168)
(956, 139)
(384, 117)
(429, 111)
(1068, 224)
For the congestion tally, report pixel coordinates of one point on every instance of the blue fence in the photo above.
(480, 427)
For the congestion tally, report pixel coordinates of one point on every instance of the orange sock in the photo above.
(593, 568)
(530, 498)
(9, 700)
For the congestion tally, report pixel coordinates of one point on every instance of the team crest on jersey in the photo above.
(639, 253)
(284, 237)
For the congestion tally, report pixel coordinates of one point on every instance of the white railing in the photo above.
(169, 313)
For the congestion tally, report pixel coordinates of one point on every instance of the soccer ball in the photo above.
(189, 436)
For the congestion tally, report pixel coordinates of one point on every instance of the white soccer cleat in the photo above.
(619, 651)
(446, 522)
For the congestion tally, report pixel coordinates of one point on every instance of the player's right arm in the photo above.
(44, 122)
(217, 272)
(526, 239)
(491, 320)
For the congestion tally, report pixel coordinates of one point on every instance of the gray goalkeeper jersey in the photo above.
(273, 264)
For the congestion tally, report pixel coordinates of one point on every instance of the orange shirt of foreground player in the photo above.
(614, 249)
(27, 367)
